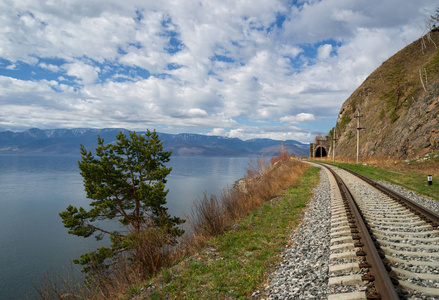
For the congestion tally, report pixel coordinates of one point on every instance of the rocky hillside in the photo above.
(399, 103)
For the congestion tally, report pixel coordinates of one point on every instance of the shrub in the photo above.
(393, 116)
(350, 134)
(209, 216)
(345, 119)
(382, 114)
(212, 215)
(282, 155)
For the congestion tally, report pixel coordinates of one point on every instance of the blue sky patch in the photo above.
(175, 44)
(224, 58)
(24, 71)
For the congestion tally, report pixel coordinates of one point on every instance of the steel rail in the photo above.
(381, 280)
(426, 214)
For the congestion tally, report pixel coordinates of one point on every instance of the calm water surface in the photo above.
(35, 188)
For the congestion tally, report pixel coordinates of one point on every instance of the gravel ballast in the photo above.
(303, 274)
(429, 203)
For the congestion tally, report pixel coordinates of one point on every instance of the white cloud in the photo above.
(251, 132)
(348, 16)
(85, 73)
(290, 51)
(302, 117)
(11, 67)
(217, 132)
(324, 51)
(232, 63)
(190, 113)
(49, 67)
(329, 19)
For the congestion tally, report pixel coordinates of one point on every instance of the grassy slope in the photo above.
(237, 263)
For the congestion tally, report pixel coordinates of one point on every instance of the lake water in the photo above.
(35, 188)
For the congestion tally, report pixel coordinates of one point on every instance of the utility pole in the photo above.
(334, 139)
(358, 116)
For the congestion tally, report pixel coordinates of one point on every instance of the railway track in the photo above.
(383, 245)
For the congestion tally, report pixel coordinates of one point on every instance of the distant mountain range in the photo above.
(67, 141)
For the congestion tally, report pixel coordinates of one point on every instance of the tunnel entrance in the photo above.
(320, 152)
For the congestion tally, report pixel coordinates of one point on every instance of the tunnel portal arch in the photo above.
(320, 151)
(320, 148)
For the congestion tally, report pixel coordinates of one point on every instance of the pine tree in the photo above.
(126, 182)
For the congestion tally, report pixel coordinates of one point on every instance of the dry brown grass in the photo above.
(213, 215)
(208, 216)
(150, 252)
(113, 283)
(65, 285)
(232, 204)
(153, 248)
(256, 168)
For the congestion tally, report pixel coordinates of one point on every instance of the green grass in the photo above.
(410, 179)
(238, 262)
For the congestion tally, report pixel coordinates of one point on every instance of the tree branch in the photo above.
(95, 228)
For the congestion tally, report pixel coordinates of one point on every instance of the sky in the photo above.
(235, 68)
